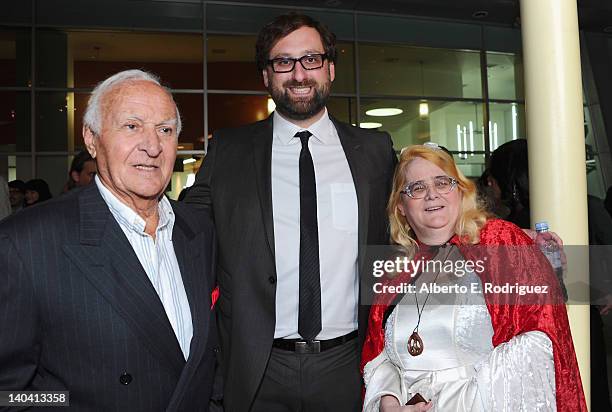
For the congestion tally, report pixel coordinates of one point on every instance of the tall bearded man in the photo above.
(295, 198)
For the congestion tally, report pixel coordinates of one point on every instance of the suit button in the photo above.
(125, 378)
(272, 280)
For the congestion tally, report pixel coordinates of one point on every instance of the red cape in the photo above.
(524, 265)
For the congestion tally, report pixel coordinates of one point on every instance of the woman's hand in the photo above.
(389, 403)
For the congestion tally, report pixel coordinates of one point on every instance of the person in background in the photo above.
(608, 200)
(17, 190)
(509, 168)
(470, 351)
(82, 171)
(37, 191)
(489, 195)
(5, 203)
(510, 171)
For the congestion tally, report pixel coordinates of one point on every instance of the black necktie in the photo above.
(309, 319)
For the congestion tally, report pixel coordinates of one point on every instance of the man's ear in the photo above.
(90, 141)
(75, 176)
(264, 75)
(332, 71)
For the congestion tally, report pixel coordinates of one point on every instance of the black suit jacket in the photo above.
(78, 312)
(234, 186)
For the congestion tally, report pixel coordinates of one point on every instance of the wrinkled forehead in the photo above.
(141, 96)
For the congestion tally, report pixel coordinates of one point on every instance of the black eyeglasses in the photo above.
(287, 64)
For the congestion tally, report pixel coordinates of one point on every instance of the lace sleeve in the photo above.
(381, 378)
(519, 375)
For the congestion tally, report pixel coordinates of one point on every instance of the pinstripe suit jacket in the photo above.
(78, 312)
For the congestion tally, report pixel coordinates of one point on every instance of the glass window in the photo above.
(454, 125)
(15, 123)
(15, 57)
(505, 76)
(55, 115)
(231, 63)
(191, 106)
(185, 169)
(413, 71)
(19, 167)
(226, 110)
(84, 58)
(506, 123)
(343, 109)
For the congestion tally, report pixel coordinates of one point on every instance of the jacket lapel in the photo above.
(262, 157)
(357, 163)
(188, 247)
(106, 258)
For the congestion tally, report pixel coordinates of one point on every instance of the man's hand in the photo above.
(389, 403)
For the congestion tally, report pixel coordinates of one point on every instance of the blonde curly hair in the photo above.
(471, 215)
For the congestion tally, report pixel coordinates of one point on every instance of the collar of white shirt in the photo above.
(128, 218)
(284, 130)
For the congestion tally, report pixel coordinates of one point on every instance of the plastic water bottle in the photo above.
(551, 250)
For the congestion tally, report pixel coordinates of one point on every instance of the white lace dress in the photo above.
(459, 369)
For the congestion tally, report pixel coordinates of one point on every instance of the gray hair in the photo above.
(93, 115)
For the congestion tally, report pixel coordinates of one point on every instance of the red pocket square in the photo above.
(214, 296)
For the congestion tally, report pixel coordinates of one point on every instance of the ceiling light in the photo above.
(480, 14)
(384, 111)
(370, 125)
(423, 110)
(190, 160)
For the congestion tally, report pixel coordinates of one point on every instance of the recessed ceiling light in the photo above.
(369, 125)
(384, 111)
(480, 14)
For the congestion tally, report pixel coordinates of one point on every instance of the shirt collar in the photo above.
(128, 218)
(285, 131)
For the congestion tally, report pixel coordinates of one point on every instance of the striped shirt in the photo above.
(158, 260)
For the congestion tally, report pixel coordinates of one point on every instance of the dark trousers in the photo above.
(326, 381)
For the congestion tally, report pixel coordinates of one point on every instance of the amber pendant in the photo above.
(415, 344)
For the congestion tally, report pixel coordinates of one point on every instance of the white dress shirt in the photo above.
(158, 260)
(337, 221)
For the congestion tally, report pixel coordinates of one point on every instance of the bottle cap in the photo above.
(541, 226)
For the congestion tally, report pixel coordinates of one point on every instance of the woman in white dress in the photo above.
(474, 351)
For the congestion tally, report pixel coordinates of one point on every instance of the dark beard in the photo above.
(301, 109)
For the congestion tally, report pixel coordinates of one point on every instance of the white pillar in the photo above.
(557, 170)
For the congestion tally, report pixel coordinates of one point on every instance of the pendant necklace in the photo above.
(415, 342)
